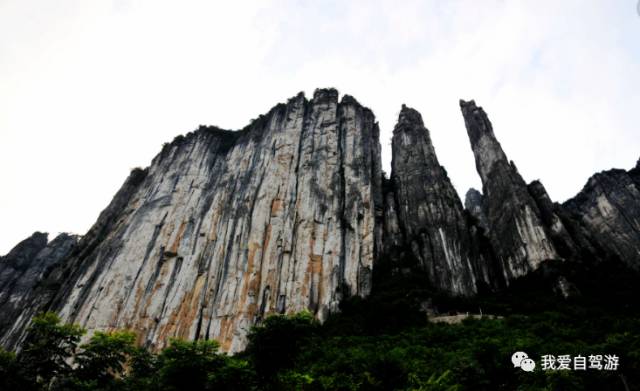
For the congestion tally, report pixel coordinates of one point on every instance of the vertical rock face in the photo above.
(21, 271)
(557, 231)
(516, 230)
(608, 207)
(226, 227)
(429, 210)
(292, 213)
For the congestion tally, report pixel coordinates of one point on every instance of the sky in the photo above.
(91, 89)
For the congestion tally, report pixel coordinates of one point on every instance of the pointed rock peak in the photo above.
(409, 118)
(39, 236)
(536, 184)
(476, 121)
(472, 199)
(299, 96)
(538, 191)
(349, 100)
(638, 164)
(469, 104)
(473, 194)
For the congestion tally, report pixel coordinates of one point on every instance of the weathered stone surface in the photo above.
(516, 230)
(556, 229)
(429, 210)
(226, 227)
(393, 237)
(21, 271)
(473, 203)
(609, 208)
(292, 213)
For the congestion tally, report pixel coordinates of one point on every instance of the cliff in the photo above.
(429, 211)
(293, 213)
(23, 270)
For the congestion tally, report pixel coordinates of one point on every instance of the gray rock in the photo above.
(429, 211)
(21, 272)
(608, 209)
(556, 229)
(293, 213)
(473, 203)
(227, 227)
(515, 228)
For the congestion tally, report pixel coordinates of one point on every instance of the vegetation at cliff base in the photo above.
(383, 342)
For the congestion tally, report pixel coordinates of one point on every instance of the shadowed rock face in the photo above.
(429, 210)
(292, 213)
(608, 208)
(21, 271)
(516, 230)
(474, 204)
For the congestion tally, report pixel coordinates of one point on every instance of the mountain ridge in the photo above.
(293, 212)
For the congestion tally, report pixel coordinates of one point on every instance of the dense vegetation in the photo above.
(383, 342)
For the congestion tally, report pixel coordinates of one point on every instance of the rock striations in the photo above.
(608, 207)
(516, 230)
(21, 271)
(429, 211)
(293, 213)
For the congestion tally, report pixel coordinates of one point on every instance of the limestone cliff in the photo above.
(429, 210)
(608, 209)
(226, 227)
(293, 213)
(516, 230)
(23, 269)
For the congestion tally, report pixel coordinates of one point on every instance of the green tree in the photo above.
(275, 344)
(187, 365)
(101, 362)
(10, 376)
(47, 349)
(143, 367)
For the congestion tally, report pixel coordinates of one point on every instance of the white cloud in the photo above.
(91, 89)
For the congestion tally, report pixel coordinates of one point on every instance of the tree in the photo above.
(100, 363)
(186, 365)
(274, 345)
(47, 349)
(10, 376)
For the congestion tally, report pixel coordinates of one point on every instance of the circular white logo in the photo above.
(527, 365)
(517, 358)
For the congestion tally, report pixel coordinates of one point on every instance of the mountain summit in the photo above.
(293, 213)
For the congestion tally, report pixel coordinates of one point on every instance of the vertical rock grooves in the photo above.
(607, 209)
(429, 210)
(292, 213)
(516, 231)
(226, 227)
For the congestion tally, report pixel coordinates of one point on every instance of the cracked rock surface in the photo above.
(293, 213)
(428, 208)
(226, 227)
(23, 269)
(516, 230)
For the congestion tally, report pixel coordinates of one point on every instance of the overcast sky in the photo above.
(91, 89)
